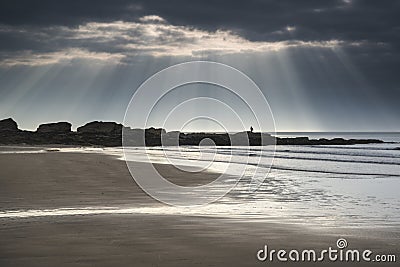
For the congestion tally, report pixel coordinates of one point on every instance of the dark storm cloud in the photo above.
(353, 20)
(256, 20)
(369, 30)
(67, 13)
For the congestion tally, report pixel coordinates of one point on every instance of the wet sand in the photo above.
(74, 180)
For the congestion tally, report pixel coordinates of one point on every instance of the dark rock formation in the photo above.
(100, 134)
(153, 136)
(293, 141)
(8, 125)
(155, 131)
(110, 134)
(171, 138)
(324, 141)
(133, 137)
(252, 139)
(195, 138)
(58, 127)
(99, 127)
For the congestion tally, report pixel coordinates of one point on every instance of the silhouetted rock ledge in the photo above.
(99, 127)
(8, 125)
(109, 134)
(58, 127)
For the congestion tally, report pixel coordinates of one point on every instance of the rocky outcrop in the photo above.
(110, 134)
(99, 127)
(293, 141)
(324, 141)
(252, 139)
(58, 127)
(8, 125)
(171, 138)
(153, 136)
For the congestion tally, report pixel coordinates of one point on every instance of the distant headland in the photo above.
(109, 134)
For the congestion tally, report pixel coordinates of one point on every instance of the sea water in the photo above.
(349, 185)
(343, 185)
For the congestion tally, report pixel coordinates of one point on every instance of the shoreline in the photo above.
(77, 180)
(98, 178)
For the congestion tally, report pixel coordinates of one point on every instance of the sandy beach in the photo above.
(199, 133)
(61, 180)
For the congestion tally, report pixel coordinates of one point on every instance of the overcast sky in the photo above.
(323, 65)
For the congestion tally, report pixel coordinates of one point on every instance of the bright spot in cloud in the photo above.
(290, 28)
